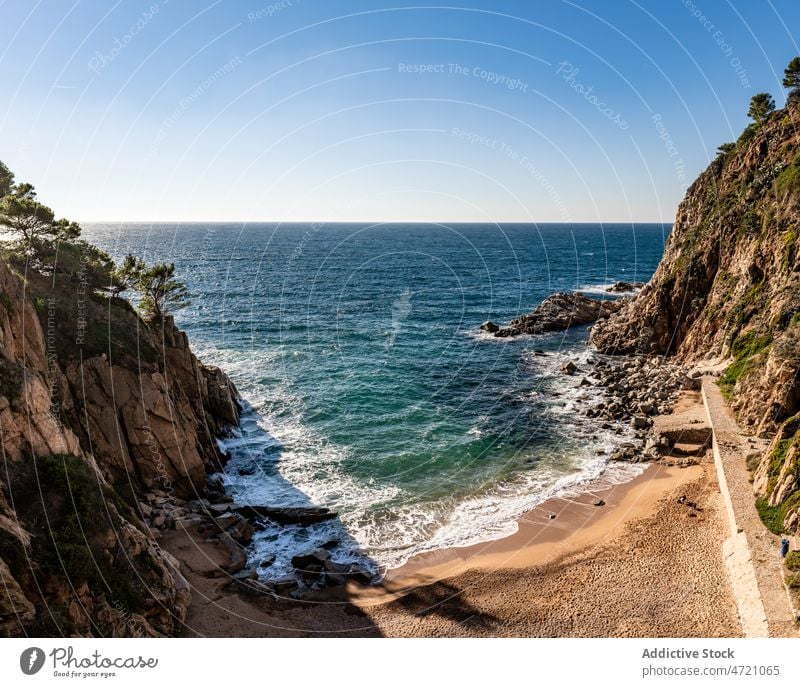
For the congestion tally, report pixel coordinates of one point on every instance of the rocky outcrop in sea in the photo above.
(557, 312)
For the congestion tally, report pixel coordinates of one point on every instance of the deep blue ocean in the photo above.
(372, 390)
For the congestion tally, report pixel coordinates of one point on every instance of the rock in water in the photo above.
(561, 311)
(624, 286)
(310, 559)
(288, 516)
(489, 326)
(569, 368)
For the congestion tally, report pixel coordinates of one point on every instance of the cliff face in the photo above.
(728, 287)
(96, 409)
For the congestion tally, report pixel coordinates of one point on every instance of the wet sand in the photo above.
(578, 523)
(646, 567)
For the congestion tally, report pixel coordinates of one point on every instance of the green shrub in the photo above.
(789, 249)
(13, 553)
(747, 135)
(11, 379)
(743, 349)
(793, 560)
(78, 518)
(733, 373)
(5, 302)
(771, 516)
(77, 514)
(747, 305)
(750, 224)
(788, 181)
(749, 344)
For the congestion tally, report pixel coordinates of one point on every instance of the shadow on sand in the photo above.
(301, 551)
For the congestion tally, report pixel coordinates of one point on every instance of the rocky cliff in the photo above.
(97, 408)
(728, 287)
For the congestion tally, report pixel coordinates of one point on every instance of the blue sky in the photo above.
(544, 110)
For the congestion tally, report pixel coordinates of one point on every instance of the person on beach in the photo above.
(784, 547)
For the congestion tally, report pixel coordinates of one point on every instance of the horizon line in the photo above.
(359, 221)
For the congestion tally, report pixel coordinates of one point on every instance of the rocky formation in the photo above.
(728, 287)
(97, 409)
(220, 530)
(624, 287)
(640, 391)
(156, 422)
(559, 311)
(777, 477)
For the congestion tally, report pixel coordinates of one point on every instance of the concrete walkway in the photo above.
(752, 553)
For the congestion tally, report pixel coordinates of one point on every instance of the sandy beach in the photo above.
(643, 564)
(645, 567)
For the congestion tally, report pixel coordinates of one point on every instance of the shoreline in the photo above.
(539, 540)
(578, 516)
(644, 563)
(656, 571)
(627, 450)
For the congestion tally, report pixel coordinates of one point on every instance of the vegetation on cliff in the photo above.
(100, 404)
(39, 243)
(728, 287)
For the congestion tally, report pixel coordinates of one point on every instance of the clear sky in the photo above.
(537, 110)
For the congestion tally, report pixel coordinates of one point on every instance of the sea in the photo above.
(369, 387)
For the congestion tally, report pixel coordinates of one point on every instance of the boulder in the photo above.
(288, 516)
(237, 556)
(624, 453)
(624, 286)
(569, 368)
(360, 574)
(226, 520)
(284, 585)
(336, 573)
(311, 560)
(489, 326)
(562, 311)
(241, 530)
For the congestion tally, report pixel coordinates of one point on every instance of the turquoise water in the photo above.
(372, 390)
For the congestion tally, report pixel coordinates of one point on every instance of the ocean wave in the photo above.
(602, 289)
(277, 459)
(479, 335)
(381, 526)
